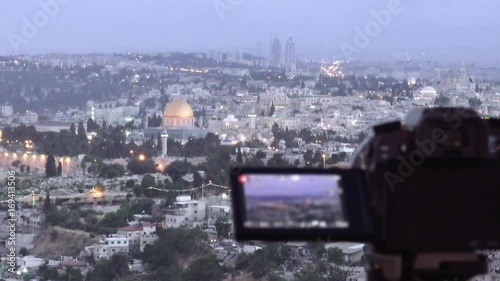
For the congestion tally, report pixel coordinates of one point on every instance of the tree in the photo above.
(442, 100)
(72, 129)
(272, 109)
(258, 266)
(111, 269)
(23, 252)
(310, 274)
(317, 249)
(148, 181)
(138, 167)
(91, 126)
(59, 169)
(173, 244)
(254, 162)
(205, 268)
(82, 135)
(223, 227)
(50, 166)
(475, 102)
(130, 183)
(177, 169)
(243, 261)
(336, 256)
(72, 274)
(28, 169)
(140, 206)
(111, 171)
(47, 205)
(118, 218)
(239, 156)
(278, 160)
(48, 273)
(260, 154)
(477, 88)
(173, 273)
(338, 274)
(197, 179)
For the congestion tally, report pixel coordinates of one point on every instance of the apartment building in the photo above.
(185, 212)
(108, 246)
(139, 235)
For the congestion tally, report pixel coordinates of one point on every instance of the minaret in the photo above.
(164, 142)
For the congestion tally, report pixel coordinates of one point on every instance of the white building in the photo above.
(29, 262)
(139, 235)
(185, 212)
(6, 111)
(108, 246)
(29, 118)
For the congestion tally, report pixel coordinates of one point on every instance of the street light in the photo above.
(142, 157)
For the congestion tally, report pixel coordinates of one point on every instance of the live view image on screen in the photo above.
(293, 201)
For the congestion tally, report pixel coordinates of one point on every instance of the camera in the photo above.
(426, 188)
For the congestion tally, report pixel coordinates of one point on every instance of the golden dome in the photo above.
(179, 109)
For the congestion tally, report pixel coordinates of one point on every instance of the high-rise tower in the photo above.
(275, 52)
(290, 57)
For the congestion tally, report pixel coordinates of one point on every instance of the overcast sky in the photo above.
(318, 27)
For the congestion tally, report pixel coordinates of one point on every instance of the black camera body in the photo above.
(428, 184)
(433, 182)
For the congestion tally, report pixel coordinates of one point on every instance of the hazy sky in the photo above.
(305, 185)
(318, 27)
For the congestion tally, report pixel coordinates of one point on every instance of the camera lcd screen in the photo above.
(293, 201)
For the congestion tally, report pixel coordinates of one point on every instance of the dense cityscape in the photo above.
(121, 161)
(116, 165)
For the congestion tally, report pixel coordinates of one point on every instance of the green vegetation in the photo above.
(336, 256)
(442, 100)
(223, 227)
(141, 167)
(321, 271)
(262, 262)
(111, 171)
(174, 246)
(50, 166)
(475, 103)
(51, 274)
(71, 217)
(112, 269)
